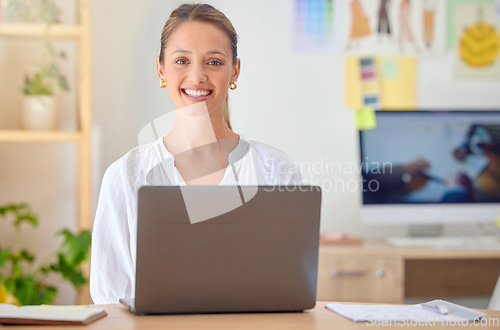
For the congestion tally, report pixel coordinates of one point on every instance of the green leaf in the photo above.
(63, 83)
(21, 212)
(70, 272)
(4, 256)
(28, 291)
(25, 255)
(75, 249)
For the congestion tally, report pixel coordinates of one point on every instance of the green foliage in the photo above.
(16, 273)
(48, 79)
(21, 214)
(29, 291)
(33, 11)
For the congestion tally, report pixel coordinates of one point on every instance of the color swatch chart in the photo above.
(314, 25)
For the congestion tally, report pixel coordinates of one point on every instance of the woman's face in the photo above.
(198, 66)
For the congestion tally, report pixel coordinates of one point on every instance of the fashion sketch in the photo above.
(405, 33)
(429, 14)
(384, 26)
(360, 23)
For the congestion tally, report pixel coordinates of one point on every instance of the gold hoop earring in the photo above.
(232, 86)
(163, 83)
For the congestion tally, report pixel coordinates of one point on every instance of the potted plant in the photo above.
(40, 108)
(23, 284)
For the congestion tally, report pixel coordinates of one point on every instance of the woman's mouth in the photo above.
(200, 94)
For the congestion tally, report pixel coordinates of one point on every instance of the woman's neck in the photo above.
(195, 127)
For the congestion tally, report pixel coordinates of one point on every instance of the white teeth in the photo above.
(194, 93)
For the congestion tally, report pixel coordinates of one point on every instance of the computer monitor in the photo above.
(431, 167)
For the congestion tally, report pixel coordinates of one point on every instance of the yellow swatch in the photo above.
(370, 88)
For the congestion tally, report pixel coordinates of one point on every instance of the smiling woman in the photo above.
(198, 62)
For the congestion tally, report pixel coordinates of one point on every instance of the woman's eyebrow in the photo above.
(211, 52)
(183, 51)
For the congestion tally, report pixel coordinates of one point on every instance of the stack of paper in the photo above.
(398, 313)
(46, 314)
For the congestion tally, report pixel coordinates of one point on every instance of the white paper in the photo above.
(414, 313)
(47, 312)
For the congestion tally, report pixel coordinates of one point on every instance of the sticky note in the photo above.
(365, 118)
(399, 93)
(498, 222)
(390, 69)
(396, 91)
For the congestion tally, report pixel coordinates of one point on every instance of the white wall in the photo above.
(294, 101)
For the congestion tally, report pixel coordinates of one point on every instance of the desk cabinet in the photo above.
(378, 273)
(360, 279)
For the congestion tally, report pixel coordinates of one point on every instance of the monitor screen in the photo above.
(432, 162)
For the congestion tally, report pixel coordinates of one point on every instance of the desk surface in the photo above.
(374, 247)
(317, 318)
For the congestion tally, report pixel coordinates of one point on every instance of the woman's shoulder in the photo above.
(276, 164)
(264, 151)
(136, 161)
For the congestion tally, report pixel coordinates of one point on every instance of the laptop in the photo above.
(218, 249)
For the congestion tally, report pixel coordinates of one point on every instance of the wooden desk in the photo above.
(378, 272)
(317, 318)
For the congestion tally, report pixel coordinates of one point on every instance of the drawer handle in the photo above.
(342, 273)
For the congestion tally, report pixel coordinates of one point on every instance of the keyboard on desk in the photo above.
(448, 242)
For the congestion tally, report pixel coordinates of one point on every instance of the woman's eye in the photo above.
(215, 62)
(181, 61)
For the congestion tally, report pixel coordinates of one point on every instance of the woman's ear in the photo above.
(159, 69)
(236, 71)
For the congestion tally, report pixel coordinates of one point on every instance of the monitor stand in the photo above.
(425, 230)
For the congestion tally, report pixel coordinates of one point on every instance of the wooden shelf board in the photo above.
(39, 136)
(39, 30)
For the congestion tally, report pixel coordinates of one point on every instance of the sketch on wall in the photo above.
(395, 27)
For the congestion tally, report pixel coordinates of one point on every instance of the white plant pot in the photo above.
(40, 112)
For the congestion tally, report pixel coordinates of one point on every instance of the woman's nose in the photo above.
(197, 74)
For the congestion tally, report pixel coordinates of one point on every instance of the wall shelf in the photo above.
(79, 33)
(39, 136)
(40, 30)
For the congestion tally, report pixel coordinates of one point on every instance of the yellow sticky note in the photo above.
(365, 118)
(498, 222)
(396, 82)
(398, 92)
(352, 83)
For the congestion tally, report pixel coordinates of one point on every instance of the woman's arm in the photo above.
(112, 272)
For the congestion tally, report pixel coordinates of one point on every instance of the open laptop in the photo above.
(212, 249)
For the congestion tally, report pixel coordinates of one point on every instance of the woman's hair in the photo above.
(201, 13)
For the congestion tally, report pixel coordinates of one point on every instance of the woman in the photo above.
(198, 63)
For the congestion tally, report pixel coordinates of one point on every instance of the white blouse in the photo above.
(114, 234)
